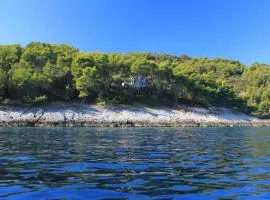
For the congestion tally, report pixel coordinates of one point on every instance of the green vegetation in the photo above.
(47, 72)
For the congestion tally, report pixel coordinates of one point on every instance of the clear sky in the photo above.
(235, 29)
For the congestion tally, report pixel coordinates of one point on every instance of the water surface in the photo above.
(143, 163)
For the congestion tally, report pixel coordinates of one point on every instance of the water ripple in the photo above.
(143, 163)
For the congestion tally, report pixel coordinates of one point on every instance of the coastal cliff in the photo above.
(124, 116)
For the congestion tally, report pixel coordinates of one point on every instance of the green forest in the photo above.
(43, 73)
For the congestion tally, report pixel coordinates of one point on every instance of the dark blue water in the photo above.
(152, 163)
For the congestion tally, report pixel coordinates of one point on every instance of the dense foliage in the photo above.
(47, 72)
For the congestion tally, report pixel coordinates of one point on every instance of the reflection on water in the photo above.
(152, 163)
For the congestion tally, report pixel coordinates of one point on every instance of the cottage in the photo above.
(139, 82)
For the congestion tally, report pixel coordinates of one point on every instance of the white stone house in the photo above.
(139, 82)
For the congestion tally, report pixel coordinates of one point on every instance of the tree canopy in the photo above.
(41, 72)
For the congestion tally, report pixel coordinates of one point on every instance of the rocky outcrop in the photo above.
(123, 116)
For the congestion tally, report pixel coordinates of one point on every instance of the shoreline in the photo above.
(82, 115)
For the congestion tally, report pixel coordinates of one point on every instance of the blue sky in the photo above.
(235, 29)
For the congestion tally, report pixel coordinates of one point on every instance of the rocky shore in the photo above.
(123, 116)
